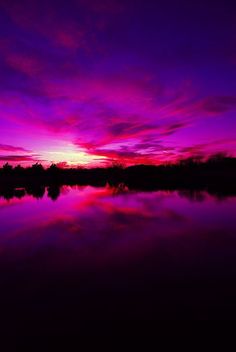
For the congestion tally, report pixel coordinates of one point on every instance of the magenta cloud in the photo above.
(93, 82)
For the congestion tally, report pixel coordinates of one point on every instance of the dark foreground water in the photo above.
(105, 254)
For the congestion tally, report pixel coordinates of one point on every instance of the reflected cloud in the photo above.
(88, 225)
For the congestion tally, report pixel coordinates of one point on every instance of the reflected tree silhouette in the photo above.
(37, 191)
(53, 192)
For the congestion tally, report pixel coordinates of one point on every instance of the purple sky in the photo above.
(97, 81)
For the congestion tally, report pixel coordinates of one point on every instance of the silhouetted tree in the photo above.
(53, 167)
(37, 168)
(7, 168)
(19, 169)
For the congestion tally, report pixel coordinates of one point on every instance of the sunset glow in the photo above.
(96, 82)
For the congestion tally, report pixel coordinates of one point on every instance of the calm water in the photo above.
(107, 254)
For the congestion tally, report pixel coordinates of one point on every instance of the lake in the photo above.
(78, 254)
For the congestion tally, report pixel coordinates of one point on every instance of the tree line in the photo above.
(218, 173)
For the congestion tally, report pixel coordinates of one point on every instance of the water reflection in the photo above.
(54, 191)
(83, 218)
(70, 253)
(36, 191)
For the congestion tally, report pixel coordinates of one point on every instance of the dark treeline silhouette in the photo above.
(217, 175)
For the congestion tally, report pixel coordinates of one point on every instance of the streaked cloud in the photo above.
(97, 81)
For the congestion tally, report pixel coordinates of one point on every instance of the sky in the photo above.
(97, 82)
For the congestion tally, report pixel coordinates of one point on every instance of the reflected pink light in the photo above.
(90, 225)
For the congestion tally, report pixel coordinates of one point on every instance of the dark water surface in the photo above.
(105, 254)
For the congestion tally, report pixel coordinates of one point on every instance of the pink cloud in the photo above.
(19, 158)
(28, 65)
(71, 39)
(48, 19)
(63, 164)
(209, 148)
(98, 113)
(218, 104)
(11, 148)
(20, 155)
